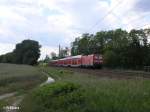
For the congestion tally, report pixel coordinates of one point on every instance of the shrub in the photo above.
(56, 97)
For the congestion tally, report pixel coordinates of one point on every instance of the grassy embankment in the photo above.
(76, 92)
(18, 77)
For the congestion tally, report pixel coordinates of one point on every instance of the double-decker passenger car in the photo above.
(93, 60)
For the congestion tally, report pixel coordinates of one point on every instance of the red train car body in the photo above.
(93, 60)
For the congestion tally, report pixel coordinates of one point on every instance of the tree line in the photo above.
(26, 52)
(120, 49)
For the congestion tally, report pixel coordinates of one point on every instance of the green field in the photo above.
(78, 92)
(15, 78)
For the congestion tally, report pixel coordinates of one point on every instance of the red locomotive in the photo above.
(93, 60)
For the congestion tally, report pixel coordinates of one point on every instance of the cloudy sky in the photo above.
(54, 22)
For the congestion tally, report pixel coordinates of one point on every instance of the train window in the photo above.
(98, 57)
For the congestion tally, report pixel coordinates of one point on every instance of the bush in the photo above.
(56, 97)
(110, 59)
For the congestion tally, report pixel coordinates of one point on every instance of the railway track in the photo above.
(119, 74)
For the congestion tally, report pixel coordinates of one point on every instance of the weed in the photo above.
(19, 77)
(87, 93)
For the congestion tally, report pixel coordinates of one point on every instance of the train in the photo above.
(93, 61)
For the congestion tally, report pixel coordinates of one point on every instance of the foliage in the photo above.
(88, 93)
(120, 48)
(63, 52)
(26, 52)
(7, 58)
(110, 59)
(63, 97)
(47, 59)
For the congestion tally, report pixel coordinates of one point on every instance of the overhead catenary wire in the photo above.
(103, 18)
(117, 17)
(133, 20)
(137, 19)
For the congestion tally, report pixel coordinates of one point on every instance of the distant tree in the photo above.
(63, 52)
(83, 45)
(2, 59)
(47, 59)
(53, 55)
(74, 47)
(110, 59)
(100, 40)
(138, 49)
(7, 58)
(27, 52)
(147, 47)
(119, 48)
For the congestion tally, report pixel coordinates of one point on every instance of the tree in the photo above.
(64, 52)
(120, 48)
(53, 55)
(47, 59)
(27, 52)
(2, 59)
(74, 47)
(138, 49)
(7, 58)
(84, 44)
(110, 59)
(100, 39)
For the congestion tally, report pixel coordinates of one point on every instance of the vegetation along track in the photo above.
(118, 74)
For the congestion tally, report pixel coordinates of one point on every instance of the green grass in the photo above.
(2, 104)
(19, 77)
(91, 94)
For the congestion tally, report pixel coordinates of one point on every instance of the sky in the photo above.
(54, 22)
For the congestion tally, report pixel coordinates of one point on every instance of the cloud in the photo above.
(46, 50)
(143, 5)
(54, 22)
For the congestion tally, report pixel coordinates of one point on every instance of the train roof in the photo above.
(71, 57)
(74, 57)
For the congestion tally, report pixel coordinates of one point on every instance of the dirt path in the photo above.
(18, 99)
(7, 95)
